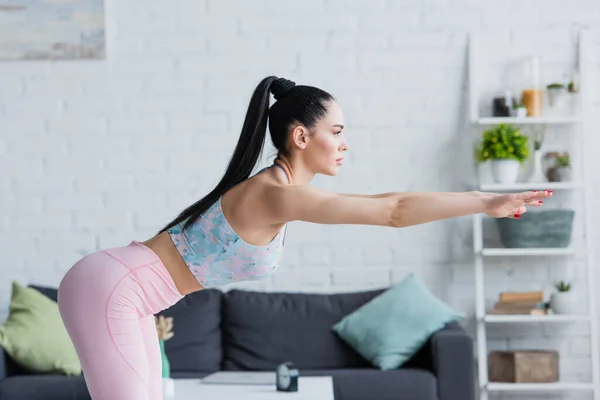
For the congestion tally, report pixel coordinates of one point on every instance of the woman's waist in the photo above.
(170, 256)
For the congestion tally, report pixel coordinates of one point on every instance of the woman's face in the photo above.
(324, 146)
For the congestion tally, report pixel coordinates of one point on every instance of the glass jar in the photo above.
(532, 95)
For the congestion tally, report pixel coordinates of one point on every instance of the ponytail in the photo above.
(295, 105)
(245, 155)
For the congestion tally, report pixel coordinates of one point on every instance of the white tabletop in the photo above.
(309, 388)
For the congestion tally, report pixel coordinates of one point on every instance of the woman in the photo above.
(107, 299)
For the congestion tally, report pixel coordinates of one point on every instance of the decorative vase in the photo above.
(564, 303)
(537, 174)
(168, 386)
(168, 389)
(505, 171)
(166, 366)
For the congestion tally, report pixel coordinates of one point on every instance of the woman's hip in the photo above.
(131, 276)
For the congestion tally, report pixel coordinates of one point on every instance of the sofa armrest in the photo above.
(453, 363)
(3, 369)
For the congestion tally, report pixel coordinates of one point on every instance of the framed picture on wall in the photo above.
(51, 29)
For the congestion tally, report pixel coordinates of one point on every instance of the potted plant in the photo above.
(557, 94)
(562, 169)
(573, 85)
(506, 148)
(520, 110)
(164, 326)
(563, 301)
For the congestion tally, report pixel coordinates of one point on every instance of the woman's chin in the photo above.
(333, 171)
(328, 170)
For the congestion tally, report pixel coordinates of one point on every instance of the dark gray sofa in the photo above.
(245, 330)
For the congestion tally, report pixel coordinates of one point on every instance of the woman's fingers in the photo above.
(517, 212)
(535, 195)
(534, 203)
(535, 198)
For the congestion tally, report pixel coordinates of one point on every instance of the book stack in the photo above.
(520, 303)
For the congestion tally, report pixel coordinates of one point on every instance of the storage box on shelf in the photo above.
(524, 366)
(536, 246)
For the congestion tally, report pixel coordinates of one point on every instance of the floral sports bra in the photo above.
(216, 255)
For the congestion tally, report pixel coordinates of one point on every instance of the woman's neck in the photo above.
(295, 170)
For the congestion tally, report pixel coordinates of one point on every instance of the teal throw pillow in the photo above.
(388, 330)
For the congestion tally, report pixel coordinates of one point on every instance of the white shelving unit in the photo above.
(528, 120)
(547, 387)
(484, 320)
(534, 318)
(498, 187)
(502, 252)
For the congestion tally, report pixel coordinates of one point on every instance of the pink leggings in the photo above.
(107, 301)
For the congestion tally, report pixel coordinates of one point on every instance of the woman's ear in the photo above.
(300, 137)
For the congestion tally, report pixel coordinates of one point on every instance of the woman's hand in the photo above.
(513, 205)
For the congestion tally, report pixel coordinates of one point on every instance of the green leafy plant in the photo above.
(563, 286)
(519, 104)
(563, 161)
(502, 142)
(555, 86)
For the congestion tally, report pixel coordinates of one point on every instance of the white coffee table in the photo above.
(309, 388)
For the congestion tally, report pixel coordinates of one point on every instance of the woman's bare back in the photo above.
(246, 207)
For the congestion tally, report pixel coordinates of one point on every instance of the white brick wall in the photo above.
(95, 154)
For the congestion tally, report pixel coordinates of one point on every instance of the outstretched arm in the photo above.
(395, 209)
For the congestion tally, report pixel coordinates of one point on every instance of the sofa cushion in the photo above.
(390, 329)
(35, 336)
(196, 344)
(261, 330)
(47, 291)
(11, 367)
(369, 384)
(44, 387)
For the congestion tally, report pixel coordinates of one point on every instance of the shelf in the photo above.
(527, 120)
(523, 186)
(529, 251)
(572, 128)
(555, 386)
(494, 318)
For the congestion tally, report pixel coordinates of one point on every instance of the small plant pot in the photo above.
(557, 97)
(565, 303)
(505, 171)
(521, 112)
(563, 174)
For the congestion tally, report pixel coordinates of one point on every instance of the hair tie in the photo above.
(281, 87)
